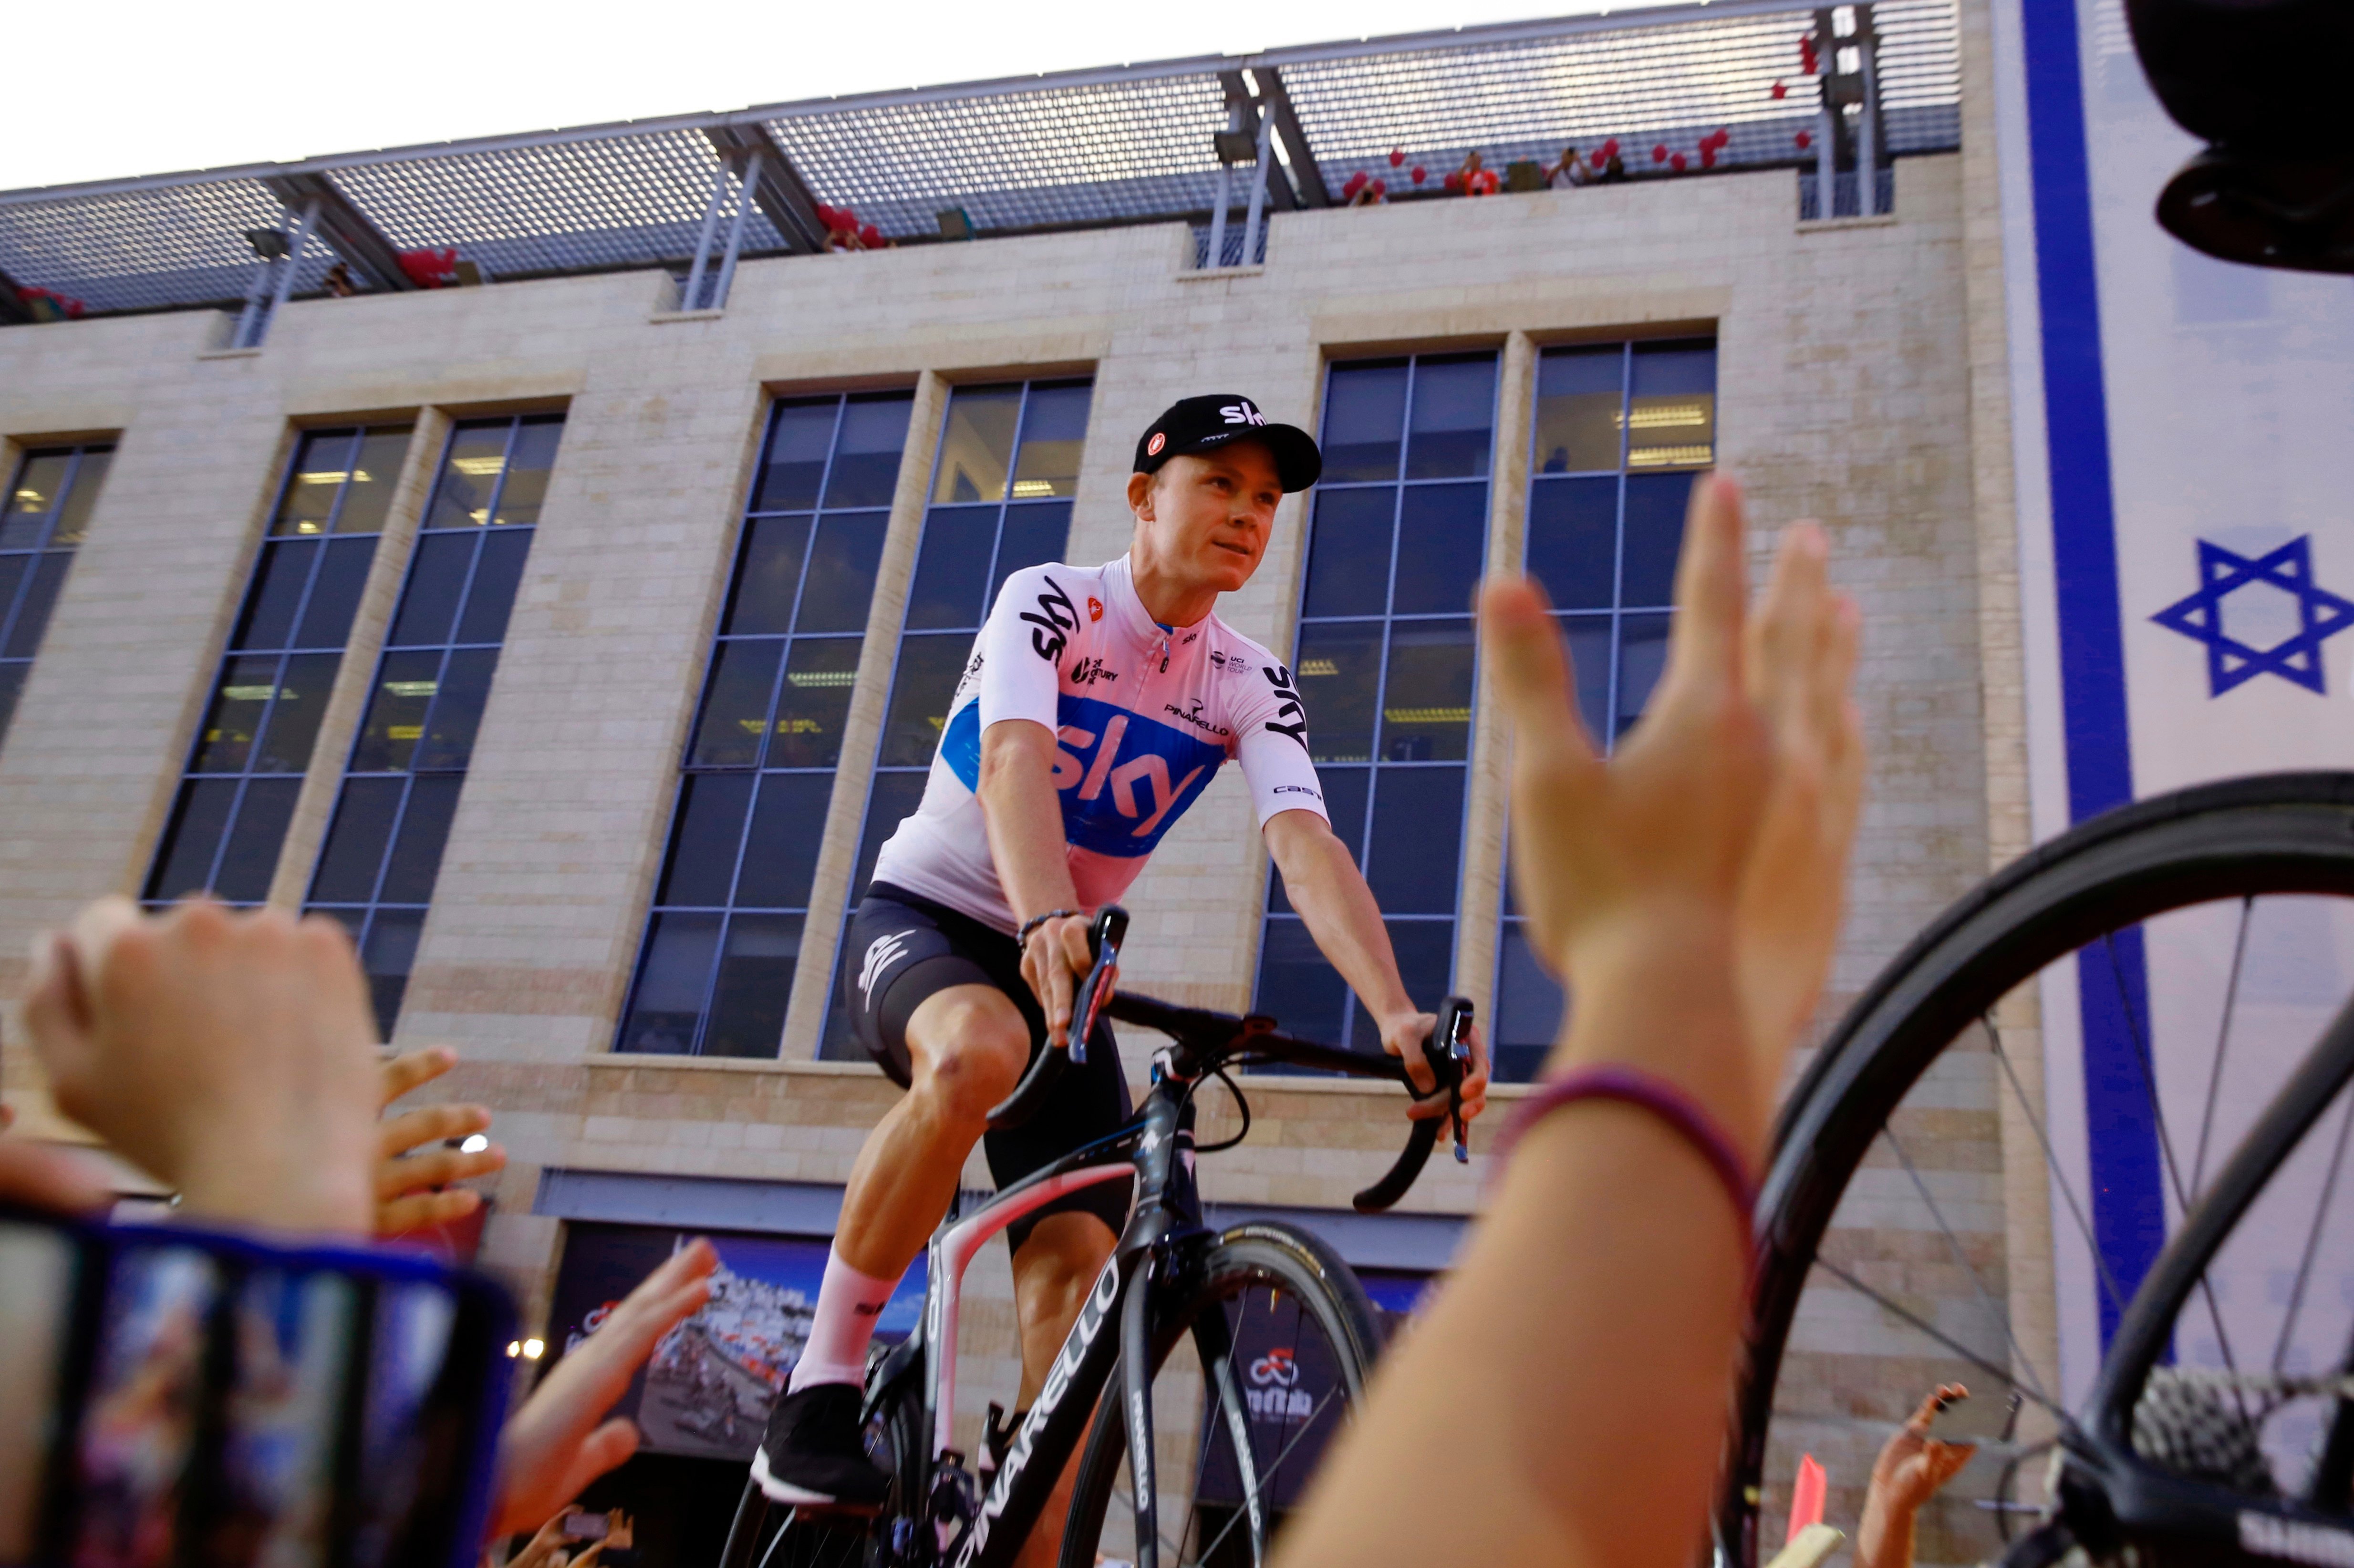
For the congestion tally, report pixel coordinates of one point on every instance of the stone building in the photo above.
(575, 631)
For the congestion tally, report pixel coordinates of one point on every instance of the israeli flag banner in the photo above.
(2182, 434)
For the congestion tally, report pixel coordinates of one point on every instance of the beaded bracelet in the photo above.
(1022, 938)
(1679, 1110)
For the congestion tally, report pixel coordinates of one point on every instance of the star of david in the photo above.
(2320, 615)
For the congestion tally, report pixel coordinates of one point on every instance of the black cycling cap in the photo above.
(1208, 422)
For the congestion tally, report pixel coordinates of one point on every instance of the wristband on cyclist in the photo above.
(1022, 938)
(1666, 1103)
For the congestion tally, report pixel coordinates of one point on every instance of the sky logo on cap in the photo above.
(1242, 413)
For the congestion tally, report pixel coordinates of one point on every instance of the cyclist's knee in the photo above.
(970, 1056)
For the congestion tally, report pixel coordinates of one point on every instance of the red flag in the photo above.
(1806, 1497)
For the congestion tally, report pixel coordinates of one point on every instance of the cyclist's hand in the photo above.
(407, 1194)
(1402, 1036)
(1054, 961)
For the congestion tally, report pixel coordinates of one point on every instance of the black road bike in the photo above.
(2206, 1412)
(1195, 1460)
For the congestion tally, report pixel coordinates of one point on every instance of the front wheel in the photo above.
(1283, 1341)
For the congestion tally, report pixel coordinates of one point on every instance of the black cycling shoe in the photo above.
(813, 1453)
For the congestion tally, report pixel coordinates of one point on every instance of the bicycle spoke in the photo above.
(2223, 1038)
(2001, 1375)
(2312, 1241)
(1305, 1427)
(2051, 1164)
(1961, 1255)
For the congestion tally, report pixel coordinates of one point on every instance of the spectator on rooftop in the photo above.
(1472, 178)
(1569, 173)
(1612, 173)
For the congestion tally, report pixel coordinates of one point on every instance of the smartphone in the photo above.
(172, 1397)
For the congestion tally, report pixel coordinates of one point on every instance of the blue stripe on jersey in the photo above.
(1124, 779)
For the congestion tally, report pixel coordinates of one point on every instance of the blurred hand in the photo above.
(1912, 1468)
(546, 1549)
(407, 1194)
(230, 1055)
(1710, 849)
(559, 1441)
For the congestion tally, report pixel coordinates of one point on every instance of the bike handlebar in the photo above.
(1447, 1049)
(1104, 937)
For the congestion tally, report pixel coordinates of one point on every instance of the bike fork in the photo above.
(1136, 1368)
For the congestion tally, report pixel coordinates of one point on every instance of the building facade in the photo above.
(578, 648)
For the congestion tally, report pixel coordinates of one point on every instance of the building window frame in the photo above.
(27, 602)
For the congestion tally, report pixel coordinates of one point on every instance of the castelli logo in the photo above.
(1152, 447)
(1095, 605)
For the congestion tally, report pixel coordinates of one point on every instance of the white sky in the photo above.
(174, 86)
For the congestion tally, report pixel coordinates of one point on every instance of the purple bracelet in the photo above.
(1629, 1085)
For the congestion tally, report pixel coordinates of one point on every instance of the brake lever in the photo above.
(1109, 930)
(1455, 1029)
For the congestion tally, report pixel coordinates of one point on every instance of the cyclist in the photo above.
(1096, 704)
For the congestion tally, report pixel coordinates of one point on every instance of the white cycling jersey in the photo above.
(1143, 716)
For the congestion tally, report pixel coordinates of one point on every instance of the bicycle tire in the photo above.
(1269, 1254)
(2268, 834)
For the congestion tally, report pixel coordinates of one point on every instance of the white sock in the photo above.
(848, 1302)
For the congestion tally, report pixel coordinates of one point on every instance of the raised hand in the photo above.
(408, 1186)
(1912, 1468)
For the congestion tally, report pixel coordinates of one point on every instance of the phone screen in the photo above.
(169, 1397)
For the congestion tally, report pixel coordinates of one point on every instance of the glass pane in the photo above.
(40, 597)
(1574, 540)
(893, 800)
(1589, 658)
(1297, 988)
(794, 465)
(527, 470)
(293, 726)
(1426, 703)
(11, 686)
(1442, 543)
(322, 463)
(866, 453)
(477, 455)
(437, 576)
(277, 593)
(1655, 534)
(336, 593)
(388, 955)
(1426, 957)
(416, 861)
(1579, 391)
(498, 572)
(355, 842)
(226, 738)
(1054, 433)
(1364, 414)
(1417, 840)
(1345, 793)
(976, 443)
(1672, 419)
(1528, 1009)
(458, 708)
(672, 981)
(736, 706)
(815, 705)
(1340, 674)
(368, 495)
(768, 575)
(701, 867)
(89, 478)
(1349, 553)
(1642, 655)
(952, 568)
(183, 862)
(780, 855)
(12, 574)
(405, 684)
(841, 582)
(755, 976)
(1033, 535)
(41, 486)
(249, 859)
(920, 693)
(1454, 418)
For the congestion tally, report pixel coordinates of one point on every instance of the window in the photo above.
(254, 742)
(1620, 430)
(726, 932)
(1008, 461)
(47, 509)
(1384, 663)
(383, 851)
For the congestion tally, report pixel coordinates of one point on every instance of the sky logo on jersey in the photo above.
(1124, 779)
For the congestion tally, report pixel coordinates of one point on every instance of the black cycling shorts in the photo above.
(903, 949)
